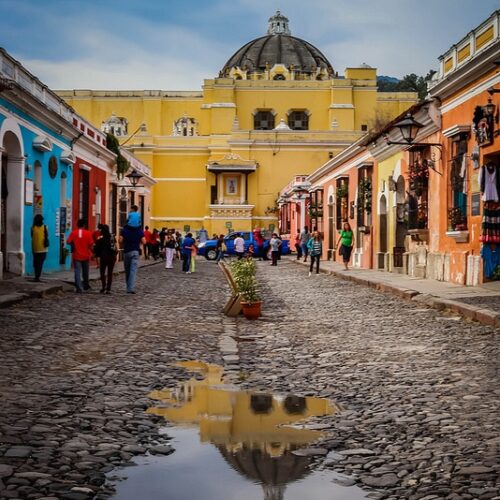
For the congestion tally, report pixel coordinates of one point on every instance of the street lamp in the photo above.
(489, 111)
(409, 128)
(134, 177)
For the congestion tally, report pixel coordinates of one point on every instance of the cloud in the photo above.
(175, 45)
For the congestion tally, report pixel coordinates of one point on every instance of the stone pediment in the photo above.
(232, 163)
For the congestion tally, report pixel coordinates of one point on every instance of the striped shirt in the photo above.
(316, 248)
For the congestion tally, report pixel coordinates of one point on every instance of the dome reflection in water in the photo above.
(255, 433)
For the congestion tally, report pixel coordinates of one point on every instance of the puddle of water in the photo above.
(233, 444)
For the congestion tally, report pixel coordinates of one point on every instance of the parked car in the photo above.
(209, 251)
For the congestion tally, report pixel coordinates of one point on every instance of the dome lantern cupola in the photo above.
(278, 25)
(278, 56)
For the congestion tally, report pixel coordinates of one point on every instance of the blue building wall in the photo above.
(50, 188)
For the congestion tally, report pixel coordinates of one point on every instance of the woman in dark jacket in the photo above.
(105, 250)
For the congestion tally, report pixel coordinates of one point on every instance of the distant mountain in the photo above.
(387, 83)
(389, 79)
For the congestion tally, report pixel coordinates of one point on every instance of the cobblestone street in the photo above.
(418, 388)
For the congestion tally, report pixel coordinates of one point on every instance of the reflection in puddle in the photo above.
(252, 432)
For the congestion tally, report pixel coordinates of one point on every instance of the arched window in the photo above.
(279, 77)
(185, 126)
(263, 120)
(116, 125)
(298, 120)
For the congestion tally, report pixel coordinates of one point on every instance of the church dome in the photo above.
(278, 47)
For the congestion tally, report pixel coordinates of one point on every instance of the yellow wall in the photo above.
(385, 170)
(349, 102)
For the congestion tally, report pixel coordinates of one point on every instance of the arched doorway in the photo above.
(12, 191)
(382, 232)
(401, 225)
(123, 207)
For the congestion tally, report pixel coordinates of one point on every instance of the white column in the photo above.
(15, 257)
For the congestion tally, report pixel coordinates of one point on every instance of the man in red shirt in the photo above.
(82, 243)
(147, 245)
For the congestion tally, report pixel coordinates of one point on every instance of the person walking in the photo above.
(346, 241)
(169, 250)
(131, 239)
(275, 244)
(147, 242)
(315, 248)
(105, 250)
(40, 244)
(298, 246)
(154, 243)
(163, 236)
(194, 251)
(220, 246)
(178, 244)
(95, 236)
(186, 248)
(82, 244)
(239, 246)
(259, 242)
(305, 236)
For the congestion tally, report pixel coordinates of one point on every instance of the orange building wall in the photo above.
(462, 115)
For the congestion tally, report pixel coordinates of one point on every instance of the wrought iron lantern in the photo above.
(134, 177)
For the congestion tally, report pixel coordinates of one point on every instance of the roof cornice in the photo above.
(466, 74)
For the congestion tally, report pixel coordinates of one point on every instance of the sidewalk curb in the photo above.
(13, 298)
(476, 313)
(16, 297)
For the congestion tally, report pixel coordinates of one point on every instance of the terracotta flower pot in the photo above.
(251, 310)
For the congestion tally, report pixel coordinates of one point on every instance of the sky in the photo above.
(175, 44)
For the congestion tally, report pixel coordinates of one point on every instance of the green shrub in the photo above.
(243, 272)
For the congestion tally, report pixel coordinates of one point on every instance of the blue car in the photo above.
(209, 248)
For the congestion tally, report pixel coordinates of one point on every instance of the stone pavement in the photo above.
(76, 370)
(480, 303)
(418, 387)
(17, 289)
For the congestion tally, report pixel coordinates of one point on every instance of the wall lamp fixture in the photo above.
(409, 128)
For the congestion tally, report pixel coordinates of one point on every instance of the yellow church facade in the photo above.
(220, 156)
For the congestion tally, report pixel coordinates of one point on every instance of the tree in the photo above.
(122, 165)
(409, 83)
(414, 83)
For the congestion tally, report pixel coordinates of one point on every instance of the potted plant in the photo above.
(456, 219)
(419, 177)
(365, 194)
(243, 272)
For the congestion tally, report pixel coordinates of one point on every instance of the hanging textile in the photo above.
(490, 226)
(489, 182)
(463, 173)
(491, 258)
